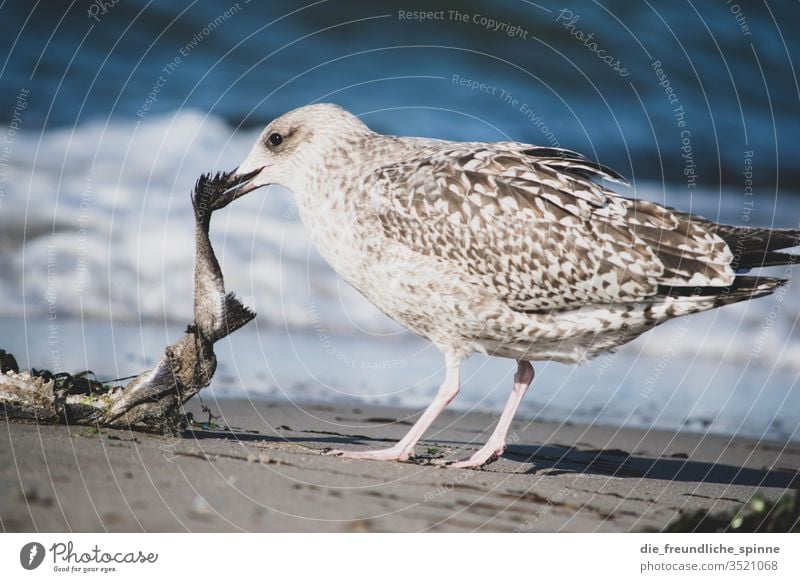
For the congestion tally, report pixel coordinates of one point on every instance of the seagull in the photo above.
(503, 248)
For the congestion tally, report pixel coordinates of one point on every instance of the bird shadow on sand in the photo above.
(558, 460)
(561, 459)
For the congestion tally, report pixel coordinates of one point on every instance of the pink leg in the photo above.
(496, 444)
(404, 449)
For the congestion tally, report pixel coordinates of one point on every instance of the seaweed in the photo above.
(758, 515)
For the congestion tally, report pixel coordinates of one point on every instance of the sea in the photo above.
(110, 110)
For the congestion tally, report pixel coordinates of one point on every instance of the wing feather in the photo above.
(533, 226)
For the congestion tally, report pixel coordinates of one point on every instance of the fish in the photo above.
(188, 365)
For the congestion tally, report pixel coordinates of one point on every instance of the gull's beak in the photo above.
(240, 184)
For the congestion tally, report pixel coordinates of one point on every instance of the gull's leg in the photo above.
(496, 444)
(404, 449)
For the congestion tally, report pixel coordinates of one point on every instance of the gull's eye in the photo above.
(275, 139)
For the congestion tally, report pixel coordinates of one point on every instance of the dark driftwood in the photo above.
(152, 400)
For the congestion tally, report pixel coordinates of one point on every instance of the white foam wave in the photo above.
(96, 222)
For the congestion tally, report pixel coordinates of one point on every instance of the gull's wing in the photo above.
(534, 227)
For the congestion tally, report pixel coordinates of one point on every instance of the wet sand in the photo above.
(262, 469)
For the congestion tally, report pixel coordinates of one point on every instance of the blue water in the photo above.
(730, 64)
(107, 115)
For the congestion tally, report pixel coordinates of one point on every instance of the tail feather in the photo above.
(763, 239)
(755, 260)
(742, 289)
(754, 247)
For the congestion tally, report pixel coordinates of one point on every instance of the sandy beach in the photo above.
(261, 468)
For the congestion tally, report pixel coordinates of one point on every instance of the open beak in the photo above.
(240, 184)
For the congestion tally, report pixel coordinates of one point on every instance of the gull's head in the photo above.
(295, 144)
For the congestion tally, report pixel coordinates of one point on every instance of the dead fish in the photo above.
(216, 313)
(189, 364)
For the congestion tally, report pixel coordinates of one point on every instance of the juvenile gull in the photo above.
(502, 248)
